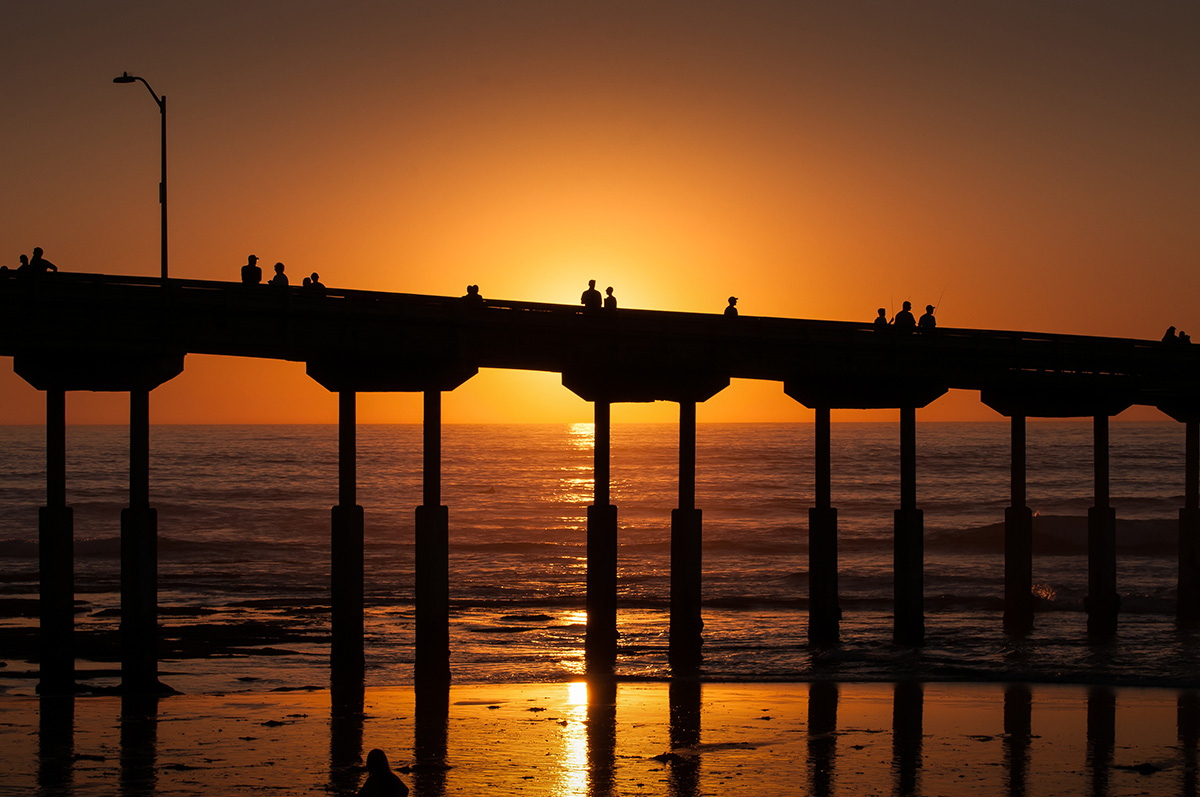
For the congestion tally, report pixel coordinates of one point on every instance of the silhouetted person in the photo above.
(610, 301)
(591, 297)
(251, 273)
(927, 323)
(472, 295)
(881, 321)
(315, 284)
(280, 279)
(1169, 336)
(731, 310)
(1184, 337)
(24, 268)
(904, 319)
(381, 781)
(307, 284)
(39, 264)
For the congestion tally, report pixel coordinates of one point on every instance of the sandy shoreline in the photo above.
(682, 739)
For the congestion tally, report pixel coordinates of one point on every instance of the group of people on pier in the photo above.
(36, 265)
(904, 320)
(252, 275)
(591, 299)
(1170, 337)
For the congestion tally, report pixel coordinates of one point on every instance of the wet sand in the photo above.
(682, 739)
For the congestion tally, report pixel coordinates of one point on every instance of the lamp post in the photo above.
(125, 77)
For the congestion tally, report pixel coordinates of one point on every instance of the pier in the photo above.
(84, 332)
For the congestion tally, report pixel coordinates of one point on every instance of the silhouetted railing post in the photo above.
(600, 643)
(433, 554)
(909, 553)
(1102, 600)
(139, 558)
(1018, 542)
(686, 568)
(1187, 608)
(346, 657)
(824, 613)
(56, 559)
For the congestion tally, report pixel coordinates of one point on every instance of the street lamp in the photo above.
(125, 77)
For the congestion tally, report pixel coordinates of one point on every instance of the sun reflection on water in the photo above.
(581, 436)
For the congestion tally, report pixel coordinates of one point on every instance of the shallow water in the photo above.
(244, 550)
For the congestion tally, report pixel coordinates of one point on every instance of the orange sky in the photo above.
(1035, 165)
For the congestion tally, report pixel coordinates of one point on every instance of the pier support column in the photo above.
(600, 641)
(908, 723)
(686, 622)
(346, 658)
(1187, 609)
(909, 551)
(1018, 542)
(56, 559)
(1102, 601)
(139, 559)
(824, 614)
(433, 554)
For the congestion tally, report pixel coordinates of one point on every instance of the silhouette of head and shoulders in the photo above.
(472, 296)
(927, 323)
(731, 310)
(904, 319)
(280, 279)
(251, 272)
(591, 297)
(39, 264)
(381, 781)
(881, 321)
(610, 301)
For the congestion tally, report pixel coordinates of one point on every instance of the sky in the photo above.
(1023, 165)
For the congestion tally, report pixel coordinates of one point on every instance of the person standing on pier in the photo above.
(251, 273)
(904, 320)
(610, 301)
(927, 323)
(280, 279)
(591, 297)
(39, 264)
(731, 310)
(881, 321)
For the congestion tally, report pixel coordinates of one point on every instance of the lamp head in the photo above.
(125, 77)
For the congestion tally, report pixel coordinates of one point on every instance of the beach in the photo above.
(682, 739)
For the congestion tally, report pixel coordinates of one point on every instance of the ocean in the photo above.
(244, 540)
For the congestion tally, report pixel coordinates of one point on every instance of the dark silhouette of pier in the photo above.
(130, 334)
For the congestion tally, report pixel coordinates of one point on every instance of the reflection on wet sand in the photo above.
(601, 735)
(1101, 736)
(822, 736)
(56, 745)
(557, 740)
(684, 773)
(1018, 715)
(907, 726)
(139, 742)
(1187, 723)
(430, 737)
(345, 739)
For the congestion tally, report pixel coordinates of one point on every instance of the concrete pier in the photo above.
(433, 554)
(686, 555)
(1187, 609)
(1019, 601)
(346, 656)
(56, 559)
(824, 614)
(600, 641)
(909, 552)
(139, 559)
(1102, 601)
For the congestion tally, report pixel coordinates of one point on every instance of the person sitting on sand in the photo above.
(381, 781)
